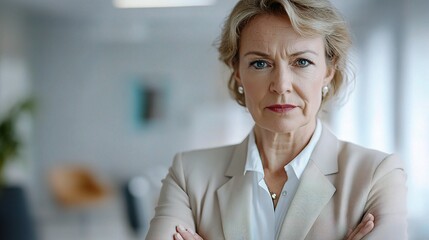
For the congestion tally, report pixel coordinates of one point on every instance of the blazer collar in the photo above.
(325, 154)
(238, 159)
(234, 197)
(314, 191)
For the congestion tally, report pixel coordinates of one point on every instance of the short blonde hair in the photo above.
(308, 18)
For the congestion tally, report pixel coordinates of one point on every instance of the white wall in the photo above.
(416, 117)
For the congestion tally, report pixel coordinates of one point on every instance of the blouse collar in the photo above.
(298, 164)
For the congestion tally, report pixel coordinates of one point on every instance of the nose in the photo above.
(281, 81)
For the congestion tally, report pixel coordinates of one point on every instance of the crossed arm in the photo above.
(361, 230)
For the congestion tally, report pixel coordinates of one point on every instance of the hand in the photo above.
(186, 234)
(362, 229)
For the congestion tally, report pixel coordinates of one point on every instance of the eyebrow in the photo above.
(305, 51)
(262, 54)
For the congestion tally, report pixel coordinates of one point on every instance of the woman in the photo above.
(291, 178)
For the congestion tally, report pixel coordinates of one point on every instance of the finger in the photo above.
(195, 235)
(177, 236)
(355, 231)
(185, 235)
(362, 229)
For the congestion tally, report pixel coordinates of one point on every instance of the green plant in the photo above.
(10, 142)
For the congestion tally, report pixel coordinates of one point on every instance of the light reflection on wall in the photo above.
(416, 117)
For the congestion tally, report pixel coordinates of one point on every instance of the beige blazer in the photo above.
(207, 191)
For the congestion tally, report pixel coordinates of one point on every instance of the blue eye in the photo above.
(302, 62)
(259, 64)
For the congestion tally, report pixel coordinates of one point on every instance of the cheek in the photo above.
(311, 90)
(316, 89)
(255, 87)
(254, 93)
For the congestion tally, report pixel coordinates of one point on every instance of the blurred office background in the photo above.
(119, 91)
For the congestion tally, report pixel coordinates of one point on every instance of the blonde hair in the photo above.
(308, 18)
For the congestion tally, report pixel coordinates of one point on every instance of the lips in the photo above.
(281, 108)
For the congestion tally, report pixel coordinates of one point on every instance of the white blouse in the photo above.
(267, 221)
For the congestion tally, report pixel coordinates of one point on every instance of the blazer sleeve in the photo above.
(387, 201)
(173, 205)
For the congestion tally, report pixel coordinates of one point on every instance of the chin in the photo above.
(281, 127)
(284, 126)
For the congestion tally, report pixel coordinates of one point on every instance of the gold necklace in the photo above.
(273, 196)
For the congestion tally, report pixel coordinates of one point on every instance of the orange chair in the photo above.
(76, 186)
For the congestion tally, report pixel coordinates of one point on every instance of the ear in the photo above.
(237, 77)
(330, 72)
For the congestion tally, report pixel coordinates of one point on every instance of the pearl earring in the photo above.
(325, 91)
(240, 90)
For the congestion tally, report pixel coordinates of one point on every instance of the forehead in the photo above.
(265, 32)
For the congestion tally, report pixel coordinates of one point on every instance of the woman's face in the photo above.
(282, 74)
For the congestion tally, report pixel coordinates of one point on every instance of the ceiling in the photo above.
(104, 8)
(101, 10)
(134, 25)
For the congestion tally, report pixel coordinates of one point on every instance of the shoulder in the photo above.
(204, 163)
(360, 159)
(354, 152)
(204, 157)
(207, 155)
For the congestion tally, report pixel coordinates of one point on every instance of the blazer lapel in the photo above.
(235, 197)
(314, 190)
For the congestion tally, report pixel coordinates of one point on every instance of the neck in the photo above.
(279, 149)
